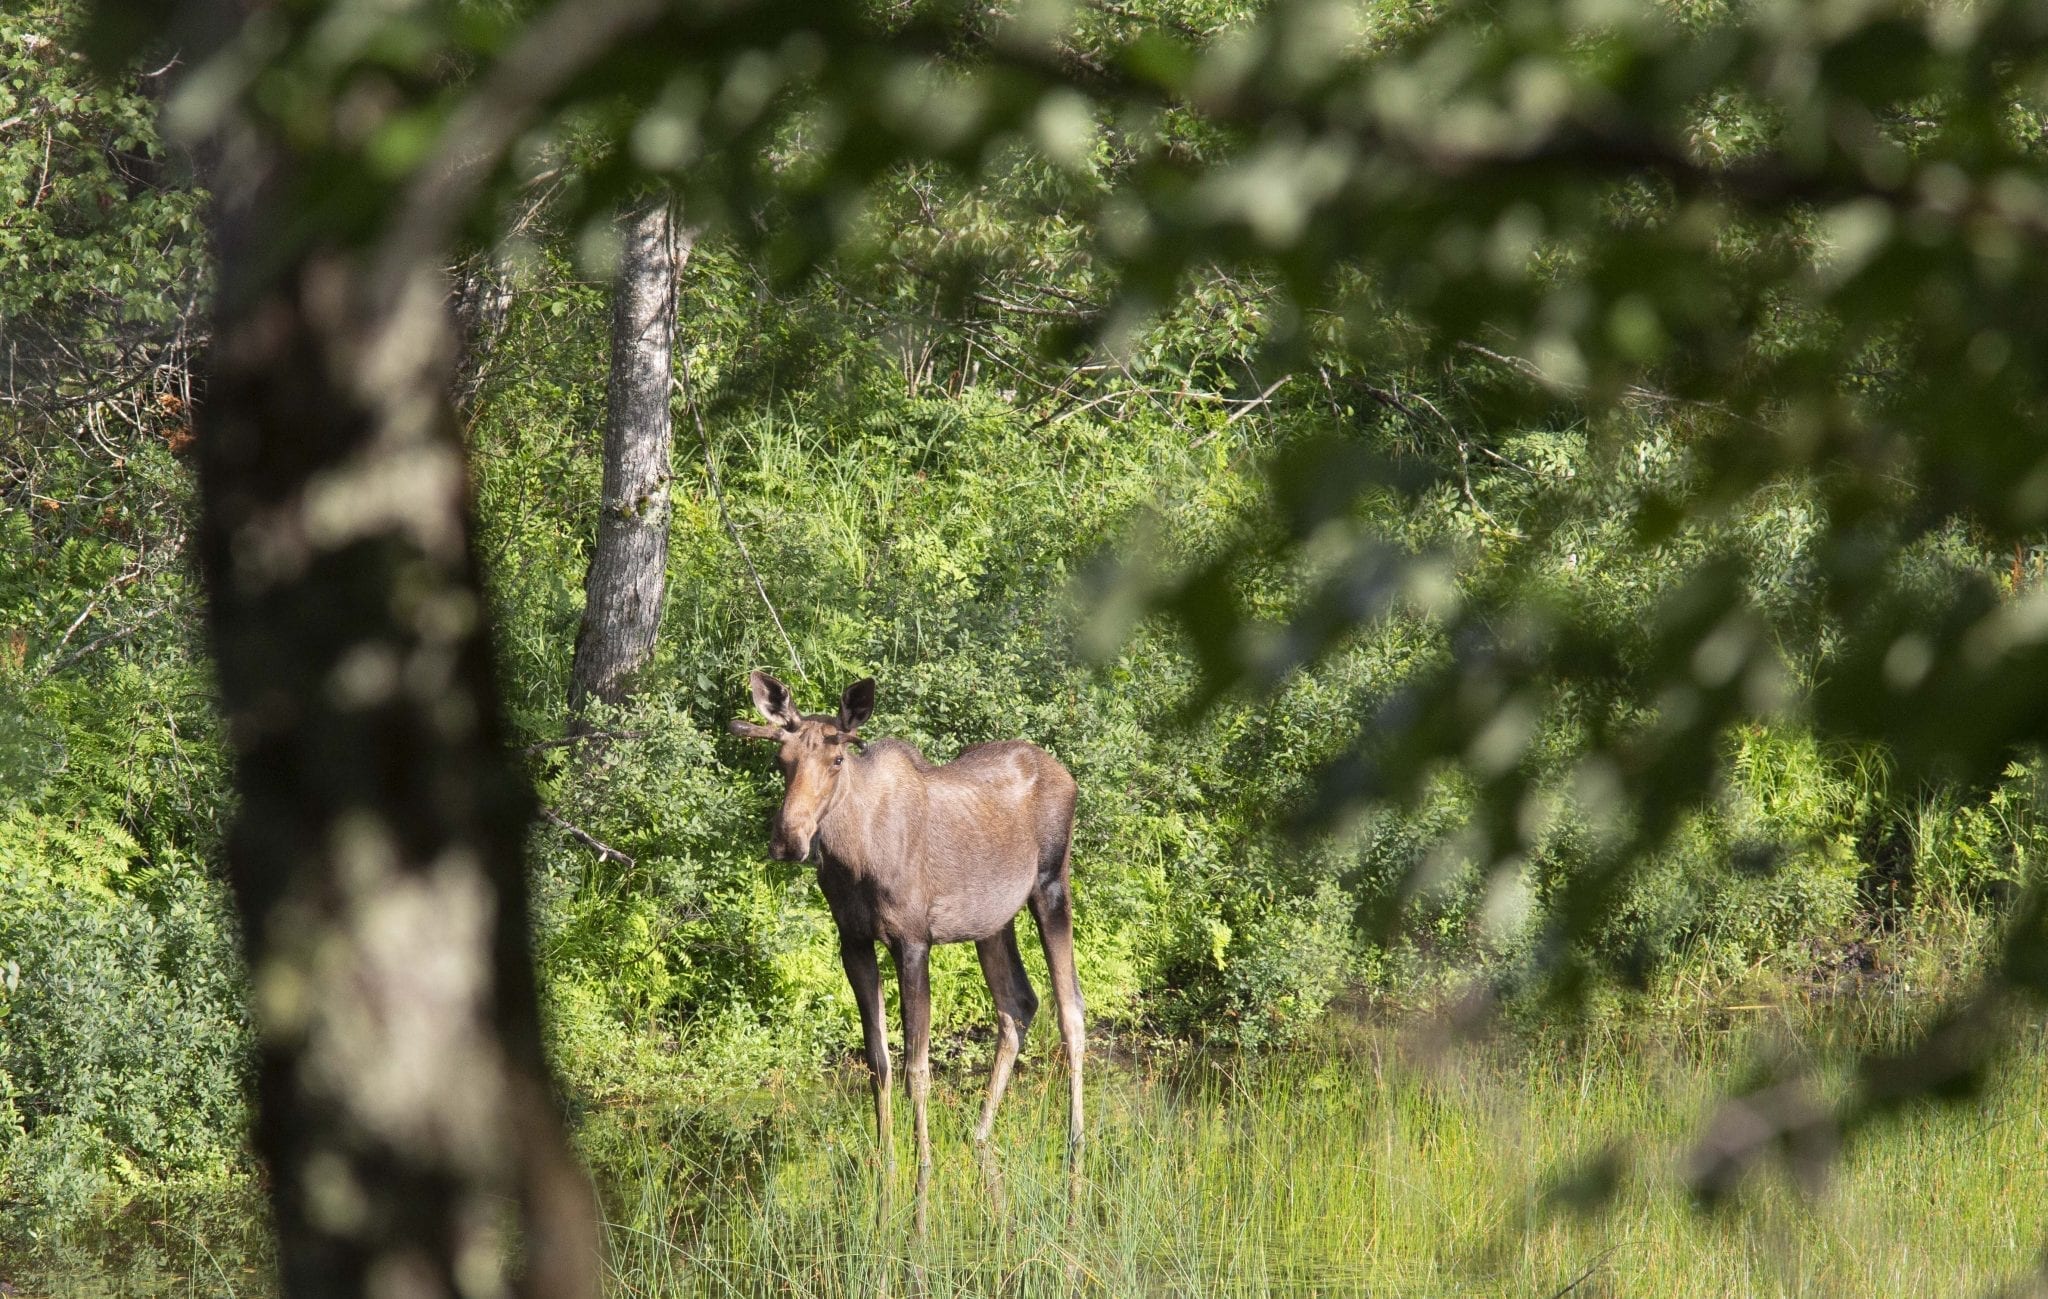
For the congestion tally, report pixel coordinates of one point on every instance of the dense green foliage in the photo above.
(122, 1043)
(1584, 598)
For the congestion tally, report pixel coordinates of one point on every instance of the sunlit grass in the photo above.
(1370, 1167)
(1379, 1163)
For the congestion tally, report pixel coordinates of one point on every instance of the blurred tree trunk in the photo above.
(629, 568)
(402, 1103)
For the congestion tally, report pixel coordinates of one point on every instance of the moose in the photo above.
(911, 853)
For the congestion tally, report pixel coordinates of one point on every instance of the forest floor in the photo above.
(1388, 1160)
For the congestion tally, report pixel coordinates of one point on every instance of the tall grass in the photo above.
(1372, 1166)
(1378, 1163)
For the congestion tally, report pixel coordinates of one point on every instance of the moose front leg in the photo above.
(913, 980)
(864, 972)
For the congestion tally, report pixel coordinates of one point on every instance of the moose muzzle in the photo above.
(787, 844)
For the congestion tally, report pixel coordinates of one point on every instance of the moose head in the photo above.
(812, 756)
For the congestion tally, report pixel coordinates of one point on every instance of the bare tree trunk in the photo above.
(482, 304)
(403, 1107)
(629, 568)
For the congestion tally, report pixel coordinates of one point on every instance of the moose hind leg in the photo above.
(864, 972)
(1052, 907)
(1003, 966)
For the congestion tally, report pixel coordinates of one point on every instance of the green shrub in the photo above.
(123, 1046)
(1976, 847)
(1245, 966)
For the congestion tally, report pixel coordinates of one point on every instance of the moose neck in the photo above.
(852, 830)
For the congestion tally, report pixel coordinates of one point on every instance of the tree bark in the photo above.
(403, 1106)
(629, 568)
(481, 301)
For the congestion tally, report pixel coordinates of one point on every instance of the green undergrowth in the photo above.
(1394, 1153)
(1385, 1160)
(210, 1242)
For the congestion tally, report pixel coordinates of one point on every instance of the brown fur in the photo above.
(912, 853)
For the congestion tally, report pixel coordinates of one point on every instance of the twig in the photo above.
(604, 851)
(1061, 416)
(718, 494)
(119, 633)
(76, 623)
(43, 183)
(1330, 391)
(1635, 391)
(1024, 309)
(1588, 1271)
(1519, 364)
(1053, 291)
(1246, 408)
(1186, 29)
(567, 740)
(1239, 406)
(1393, 400)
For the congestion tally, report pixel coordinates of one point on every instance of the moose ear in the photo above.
(856, 704)
(772, 698)
(750, 731)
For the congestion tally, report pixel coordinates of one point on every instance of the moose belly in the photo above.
(976, 899)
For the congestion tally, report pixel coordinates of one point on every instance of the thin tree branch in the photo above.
(76, 623)
(1584, 1273)
(118, 634)
(1245, 408)
(1634, 391)
(43, 182)
(604, 851)
(543, 746)
(1025, 309)
(1394, 401)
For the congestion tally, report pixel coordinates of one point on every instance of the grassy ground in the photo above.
(1376, 1167)
(1378, 1164)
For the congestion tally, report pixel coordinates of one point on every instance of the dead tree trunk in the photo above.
(629, 568)
(402, 1106)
